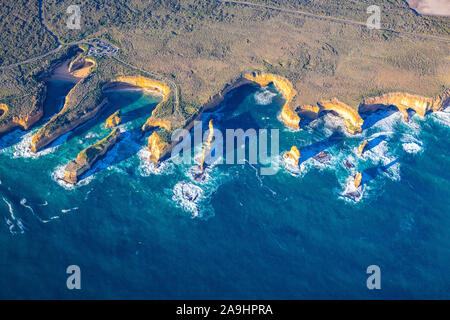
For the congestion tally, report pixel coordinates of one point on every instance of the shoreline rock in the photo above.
(89, 156)
(293, 154)
(113, 120)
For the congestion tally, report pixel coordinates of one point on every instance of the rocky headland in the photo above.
(87, 158)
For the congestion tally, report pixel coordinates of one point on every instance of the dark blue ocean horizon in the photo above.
(285, 236)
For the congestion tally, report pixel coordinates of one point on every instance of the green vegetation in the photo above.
(21, 33)
(23, 88)
(92, 152)
(200, 46)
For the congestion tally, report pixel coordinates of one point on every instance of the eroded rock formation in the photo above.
(158, 148)
(405, 101)
(352, 118)
(289, 117)
(293, 154)
(114, 120)
(86, 158)
(208, 145)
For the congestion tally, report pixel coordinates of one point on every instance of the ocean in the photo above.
(291, 235)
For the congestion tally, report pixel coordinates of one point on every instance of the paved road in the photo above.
(333, 19)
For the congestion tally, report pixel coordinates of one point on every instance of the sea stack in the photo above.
(362, 147)
(294, 154)
(358, 179)
(86, 158)
(207, 147)
(114, 120)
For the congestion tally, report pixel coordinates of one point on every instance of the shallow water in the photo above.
(245, 235)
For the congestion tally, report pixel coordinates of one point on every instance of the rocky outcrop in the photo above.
(293, 154)
(114, 120)
(352, 118)
(358, 179)
(362, 147)
(155, 87)
(152, 123)
(158, 148)
(289, 117)
(405, 101)
(86, 158)
(45, 136)
(208, 145)
(25, 121)
(441, 101)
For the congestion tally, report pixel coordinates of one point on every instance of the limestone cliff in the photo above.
(208, 145)
(155, 87)
(114, 120)
(23, 120)
(158, 148)
(441, 101)
(293, 154)
(86, 158)
(405, 101)
(52, 131)
(289, 117)
(352, 118)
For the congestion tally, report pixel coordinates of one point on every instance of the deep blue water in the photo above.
(289, 235)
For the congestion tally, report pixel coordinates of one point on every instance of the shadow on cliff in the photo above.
(373, 172)
(370, 119)
(128, 145)
(312, 150)
(375, 142)
(57, 91)
(111, 107)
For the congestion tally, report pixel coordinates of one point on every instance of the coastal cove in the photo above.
(284, 236)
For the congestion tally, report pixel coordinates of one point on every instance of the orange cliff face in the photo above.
(289, 117)
(155, 87)
(403, 102)
(27, 120)
(114, 120)
(441, 101)
(293, 154)
(207, 147)
(352, 118)
(156, 147)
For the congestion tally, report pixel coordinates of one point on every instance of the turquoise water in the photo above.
(288, 235)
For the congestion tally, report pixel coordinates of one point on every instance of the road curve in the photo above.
(333, 19)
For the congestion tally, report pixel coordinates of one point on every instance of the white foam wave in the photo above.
(264, 97)
(411, 147)
(22, 149)
(147, 168)
(15, 224)
(188, 196)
